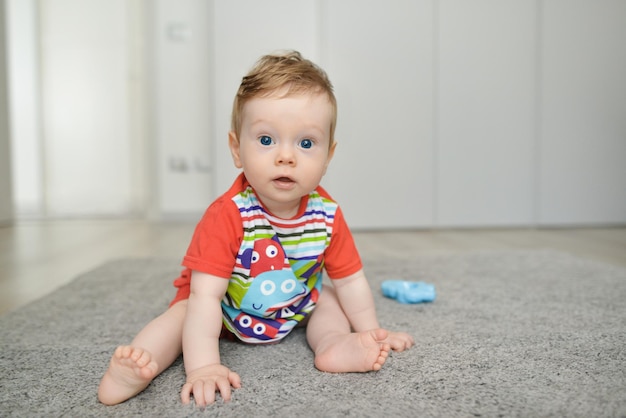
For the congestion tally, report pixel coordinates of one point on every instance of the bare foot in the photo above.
(131, 370)
(356, 352)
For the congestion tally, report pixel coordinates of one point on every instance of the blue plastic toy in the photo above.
(408, 292)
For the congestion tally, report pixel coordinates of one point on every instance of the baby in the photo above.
(253, 269)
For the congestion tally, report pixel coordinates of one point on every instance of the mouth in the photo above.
(284, 179)
(284, 182)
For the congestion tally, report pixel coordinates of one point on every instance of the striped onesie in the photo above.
(275, 266)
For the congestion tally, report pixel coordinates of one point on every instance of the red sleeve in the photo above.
(341, 258)
(216, 240)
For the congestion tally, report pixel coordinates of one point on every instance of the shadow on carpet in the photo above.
(511, 333)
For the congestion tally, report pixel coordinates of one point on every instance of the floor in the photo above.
(37, 257)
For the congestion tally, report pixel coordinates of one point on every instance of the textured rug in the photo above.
(510, 334)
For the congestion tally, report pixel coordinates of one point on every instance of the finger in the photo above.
(399, 346)
(401, 342)
(185, 393)
(404, 345)
(209, 392)
(234, 380)
(198, 393)
(223, 385)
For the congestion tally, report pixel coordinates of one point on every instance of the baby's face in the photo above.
(284, 148)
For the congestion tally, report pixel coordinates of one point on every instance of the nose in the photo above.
(286, 156)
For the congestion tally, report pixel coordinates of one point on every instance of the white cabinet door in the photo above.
(486, 89)
(379, 57)
(6, 195)
(181, 102)
(583, 123)
(85, 102)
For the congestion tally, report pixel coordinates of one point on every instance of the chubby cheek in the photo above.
(255, 170)
(314, 175)
(255, 160)
(246, 157)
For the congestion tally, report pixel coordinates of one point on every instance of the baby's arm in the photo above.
(356, 299)
(201, 332)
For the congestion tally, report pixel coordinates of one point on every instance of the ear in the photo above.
(331, 153)
(233, 144)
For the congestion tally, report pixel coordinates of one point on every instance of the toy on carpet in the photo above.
(405, 291)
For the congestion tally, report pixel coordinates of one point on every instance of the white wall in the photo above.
(181, 100)
(454, 112)
(382, 67)
(6, 196)
(582, 151)
(77, 136)
(23, 72)
(485, 112)
(85, 107)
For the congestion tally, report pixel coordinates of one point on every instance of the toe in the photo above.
(379, 334)
(143, 359)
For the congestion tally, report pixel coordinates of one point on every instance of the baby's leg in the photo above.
(155, 348)
(337, 349)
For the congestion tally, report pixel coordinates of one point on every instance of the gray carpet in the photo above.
(510, 334)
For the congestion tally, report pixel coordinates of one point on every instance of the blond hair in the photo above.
(287, 71)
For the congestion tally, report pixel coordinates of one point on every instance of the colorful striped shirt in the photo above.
(274, 265)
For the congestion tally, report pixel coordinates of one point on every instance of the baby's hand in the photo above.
(399, 341)
(204, 382)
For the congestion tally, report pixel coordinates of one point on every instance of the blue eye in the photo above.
(306, 143)
(266, 140)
